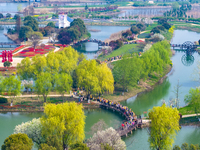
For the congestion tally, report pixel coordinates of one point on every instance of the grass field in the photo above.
(150, 27)
(126, 49)
(144, 35)
(186, 110)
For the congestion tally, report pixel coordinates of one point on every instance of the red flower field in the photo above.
(30, 52)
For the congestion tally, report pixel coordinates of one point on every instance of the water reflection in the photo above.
(147, 100)
(187, 60)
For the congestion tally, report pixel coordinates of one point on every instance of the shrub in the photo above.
(155, 30)
(3, 100)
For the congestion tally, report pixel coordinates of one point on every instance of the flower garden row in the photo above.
(15, 106)
(30, 52)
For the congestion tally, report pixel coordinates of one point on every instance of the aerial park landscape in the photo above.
(104, 75)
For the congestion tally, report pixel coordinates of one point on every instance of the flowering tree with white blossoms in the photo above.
(32, 129)
(160, 37)
(147, 47)
(108, 136)
(27, 85)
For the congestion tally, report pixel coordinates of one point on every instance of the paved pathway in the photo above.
(190, 115)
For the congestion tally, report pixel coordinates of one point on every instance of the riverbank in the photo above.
(13, 37)
(135, 91)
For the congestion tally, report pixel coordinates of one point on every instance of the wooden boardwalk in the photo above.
(126, 130)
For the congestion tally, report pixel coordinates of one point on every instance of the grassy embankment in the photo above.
(125, 49)
(194, 26)
(186, 110)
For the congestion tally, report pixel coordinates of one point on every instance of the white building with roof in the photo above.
(64, 21)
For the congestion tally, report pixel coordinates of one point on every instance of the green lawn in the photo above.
(186, 110)
(126, 49)
(151, 26)
(144, 35)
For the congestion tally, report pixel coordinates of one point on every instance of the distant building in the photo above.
(64, 21)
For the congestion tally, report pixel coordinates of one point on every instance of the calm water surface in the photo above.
(11, 8)
(139, 139)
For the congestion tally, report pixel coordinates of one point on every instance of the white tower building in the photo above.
(63, 21)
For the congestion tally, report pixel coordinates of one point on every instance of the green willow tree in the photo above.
(63, 83)
(63, 123)
(94, 77)
(45, 69)
(163, 127)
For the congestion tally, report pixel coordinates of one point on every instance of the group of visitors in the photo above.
(130, 115)
(113, 58)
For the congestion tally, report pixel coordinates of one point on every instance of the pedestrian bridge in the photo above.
(124, 131)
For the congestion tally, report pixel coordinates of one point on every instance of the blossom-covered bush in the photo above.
(157, 37)
(32, 129)
(147, 47)
(108, 136)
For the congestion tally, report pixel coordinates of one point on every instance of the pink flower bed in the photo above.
(30, 52)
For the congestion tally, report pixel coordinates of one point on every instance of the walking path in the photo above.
(190, 115)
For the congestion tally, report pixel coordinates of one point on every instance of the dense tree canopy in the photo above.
(23, 32)
(127, 71)
(60, 62)
(17, 142)
(51, 24)
(152, 63)
(64, 122)
(94, 77)
(8, 15)
(193, 99)
(135, 30)
(31, 22)
(16, 16)
(163, 127)
(76, 30)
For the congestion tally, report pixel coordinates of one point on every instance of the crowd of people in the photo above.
(113, 58)
(130, 115)
(131, 118)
